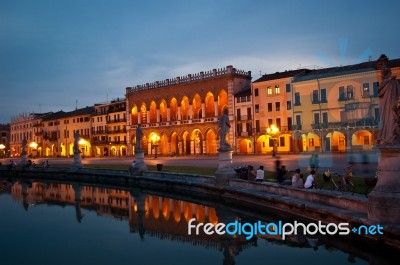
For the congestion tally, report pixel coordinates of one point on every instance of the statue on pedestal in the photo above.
(389, 94)
(224, 127)
(139, 135)
(76, 142)
(24, 142)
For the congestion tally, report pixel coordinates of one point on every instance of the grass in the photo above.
(269, 176)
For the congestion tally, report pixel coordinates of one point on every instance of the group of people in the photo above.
(297, 180)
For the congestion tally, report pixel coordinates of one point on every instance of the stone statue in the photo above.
(139, 135)
(389, 93)
(76, 142)
(23, 151)
(224, 127)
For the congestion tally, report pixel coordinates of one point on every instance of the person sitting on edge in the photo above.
(281, 176)
(297, 180)
(251, 173)
(310, 181)
(260, 174)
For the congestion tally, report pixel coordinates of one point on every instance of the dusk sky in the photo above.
(55, 52)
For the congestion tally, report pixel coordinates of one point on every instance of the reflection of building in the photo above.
(337, 109)
(183, 112)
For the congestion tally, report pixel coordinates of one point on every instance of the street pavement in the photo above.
(365, 164)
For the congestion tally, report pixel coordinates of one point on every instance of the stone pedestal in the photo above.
(24, 160)
(139, 167)
(225, 168)
(384, 200)
(77, 164)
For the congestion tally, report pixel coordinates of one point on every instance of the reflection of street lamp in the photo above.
(34, 146)
(272, 131)
(2, 147)
(155, 140)
(82, 142)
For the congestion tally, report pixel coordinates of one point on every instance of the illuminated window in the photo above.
(277, 89)
(269, 90)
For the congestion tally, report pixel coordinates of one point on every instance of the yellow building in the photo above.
(273, 102)
(180, 115)
(337, 109)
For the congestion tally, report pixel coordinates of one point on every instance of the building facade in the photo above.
(180, 116)
(5, 140)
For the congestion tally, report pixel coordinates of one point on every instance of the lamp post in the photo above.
(272, 131)
(155, 140)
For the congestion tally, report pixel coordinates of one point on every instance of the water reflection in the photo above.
(160, 217)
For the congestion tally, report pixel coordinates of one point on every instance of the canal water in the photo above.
(53, 223)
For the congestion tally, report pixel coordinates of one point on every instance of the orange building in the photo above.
(180, 115)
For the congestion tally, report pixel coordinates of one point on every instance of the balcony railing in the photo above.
(99, 142)
(116, 131)
(116, 120)
(243, 118)
(99, 132)
(118, 142)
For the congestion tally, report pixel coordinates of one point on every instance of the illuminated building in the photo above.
(180, 115)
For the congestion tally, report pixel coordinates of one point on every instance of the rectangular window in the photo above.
(342, 95)
(288, 88)
(270, 122)
(239, 128)
(256, 92)
(269, 107)
(257, 108)
(323, 95)
(288, 105)
(325, 117)
(282, 141)
(376, 89)
(365, 91)
(350, 92)
(298, 119)
(269, 91)
(316, 118)
(278, 123)
(238, 100)
(289, 123)
(238, 118)
(277, 106)
(315, 97)
(257, 126)
(297, 99)
(277, 90)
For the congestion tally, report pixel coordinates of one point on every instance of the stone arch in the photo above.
(245, 146)
(196, 142)
(185, 143)
(210, 141)
(263, 145)
(185, 111)
(173, 109)
(122, 150)
(362, 140)
(153, 112)
(222, 101)
(163, 145)
(335, 141)
(143, 113)
(311, 142)
(134, 115)
(196, 107)
(174, 143)
(163, 111)
(209, 105)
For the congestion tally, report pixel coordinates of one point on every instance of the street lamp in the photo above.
(2, 147)
(34, 146)
(155, 140)
(82, 143)
(272, 131)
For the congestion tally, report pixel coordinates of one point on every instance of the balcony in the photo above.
(243, 118)
(94, 142)
(99, 132)
(116, 120)
(118, 142)
(296, 127)
(244, 134)
(116, 131)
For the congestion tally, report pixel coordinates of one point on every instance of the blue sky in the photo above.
(54, 52)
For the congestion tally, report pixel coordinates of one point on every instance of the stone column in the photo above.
(216, 108)
(179, 114)
(203, 110)
(168, 114)
(148, 116)
(384, 200)
(190, 112)
(158, 115)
